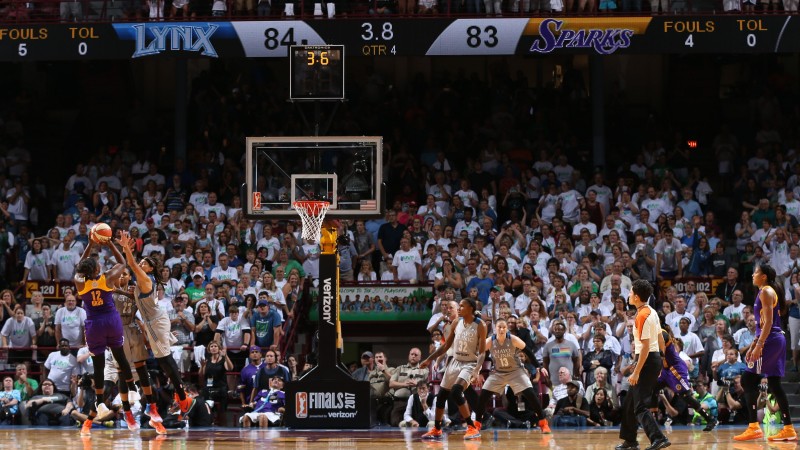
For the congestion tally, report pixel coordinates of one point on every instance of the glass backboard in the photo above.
(344, 170)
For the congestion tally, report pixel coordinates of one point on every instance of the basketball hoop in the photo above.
(312, 213)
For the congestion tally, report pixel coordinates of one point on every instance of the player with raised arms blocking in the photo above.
(675, 375)
(766, 356)
(156, 322)
(469, 339)
(509, 371)
(103, 327)
(134, 346)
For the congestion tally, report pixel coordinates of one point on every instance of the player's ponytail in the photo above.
(472, 304)
(771, 275)
(155, 275)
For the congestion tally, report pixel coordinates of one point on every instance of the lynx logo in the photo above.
(181, 37)
(327, 300)
(604, 41)
(301, 405)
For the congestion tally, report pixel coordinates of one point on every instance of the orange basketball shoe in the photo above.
(787, 433)
(86, 429)
(152, 411)
(158, 426)
(183, 404)
(751, 433)
(545, 427)
(472, 433)
(133, 425)
(434, 434)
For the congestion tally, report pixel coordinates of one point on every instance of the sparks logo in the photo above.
(604, 41)
(301, 405)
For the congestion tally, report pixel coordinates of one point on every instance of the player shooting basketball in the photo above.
(103, 326)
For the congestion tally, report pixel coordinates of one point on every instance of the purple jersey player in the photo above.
(103, 326)
(766, 356)
(675, 375)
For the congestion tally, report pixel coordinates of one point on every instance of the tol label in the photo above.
(83, 33)
(751, 25)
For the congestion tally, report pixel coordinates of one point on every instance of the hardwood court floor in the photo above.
(683, 438)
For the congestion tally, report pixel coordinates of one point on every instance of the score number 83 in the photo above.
(486, 36)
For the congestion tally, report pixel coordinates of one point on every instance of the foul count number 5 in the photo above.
(474, 38)
(22, 49)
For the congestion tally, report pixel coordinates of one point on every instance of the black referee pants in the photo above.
(640, 398)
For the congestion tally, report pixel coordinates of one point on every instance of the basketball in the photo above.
(101, 233)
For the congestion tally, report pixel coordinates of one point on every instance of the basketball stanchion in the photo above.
(312, 214)
(326, 397)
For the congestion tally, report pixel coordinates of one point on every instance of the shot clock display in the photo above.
(316, 72)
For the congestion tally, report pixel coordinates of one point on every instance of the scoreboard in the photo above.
(390, 37)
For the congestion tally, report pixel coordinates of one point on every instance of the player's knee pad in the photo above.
(441, 399)
(458, 394)
(144, 377)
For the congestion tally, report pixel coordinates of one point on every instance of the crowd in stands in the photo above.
(521, 222)
(157, 10)
(546, 243)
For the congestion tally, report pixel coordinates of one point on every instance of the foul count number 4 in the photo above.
(22, 49)
(750, 40)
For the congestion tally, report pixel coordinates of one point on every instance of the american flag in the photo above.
(369, 205)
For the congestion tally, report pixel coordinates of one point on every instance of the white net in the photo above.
(312, 213)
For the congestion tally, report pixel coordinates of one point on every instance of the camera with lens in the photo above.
(763, 387)
(727, 382)
(343, 239)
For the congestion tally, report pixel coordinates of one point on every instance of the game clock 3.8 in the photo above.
(316, 72)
